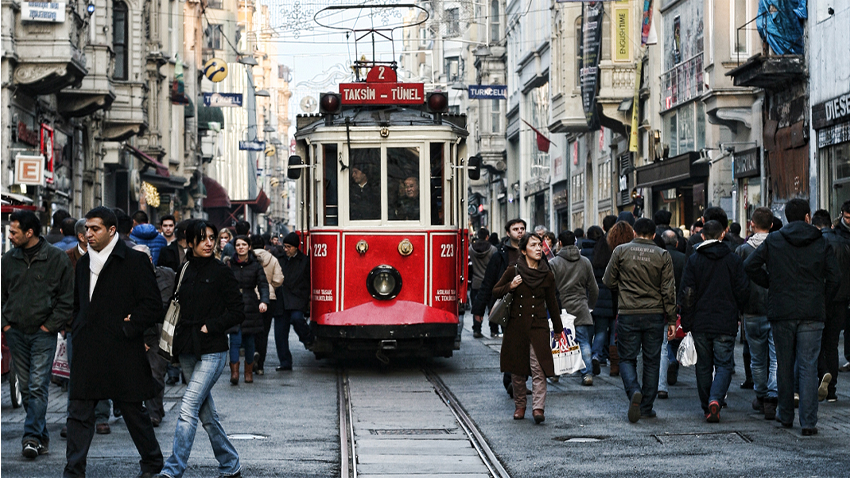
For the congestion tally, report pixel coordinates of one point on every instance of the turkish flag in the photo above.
(542, 141)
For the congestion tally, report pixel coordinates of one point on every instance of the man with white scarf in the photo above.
(116, 299)
(756, 325)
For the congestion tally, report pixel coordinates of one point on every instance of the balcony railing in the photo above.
(682, 83)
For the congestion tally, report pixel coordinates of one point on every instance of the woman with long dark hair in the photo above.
(254, 287)
(210, 304)
(526, 348)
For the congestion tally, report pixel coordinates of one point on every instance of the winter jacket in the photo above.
(172, 256)
(165, 278)
(839, 239)
(505, 255)
(714, 289)
(697, 238)
(801, 274)
(294, 294)
(54, 235)
(66, 243)
(606, 306)
(641, 273)
(575, 282)
(254, 288)
(757, 302)
(480, 253)
(146, 234)
(679, 259)
(274, 274)
(209, 295)
(36, 293)
(587, 248)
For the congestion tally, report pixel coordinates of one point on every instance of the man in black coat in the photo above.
(714, 290)
(293, 301)
(801, 276)
(669, 366)
(116, 299)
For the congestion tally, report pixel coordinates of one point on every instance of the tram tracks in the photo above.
(402, 422)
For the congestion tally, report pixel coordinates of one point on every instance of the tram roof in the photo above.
(381, 116)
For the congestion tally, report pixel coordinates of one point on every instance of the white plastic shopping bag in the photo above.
(687, 355)
(61, 367)
(566, 353)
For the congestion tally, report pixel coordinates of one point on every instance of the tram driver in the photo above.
(407, 207)
(364, 197)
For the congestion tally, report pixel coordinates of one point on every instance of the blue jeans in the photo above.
(33, 358)
(237, 341)
(601, 338)
(797, 340)
(584, 335)
(762, 355)
(295, 318)
(198, 404)
(636, 332)
(714, 357)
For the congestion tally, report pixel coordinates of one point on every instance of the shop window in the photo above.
(120, 38)
(837, 161)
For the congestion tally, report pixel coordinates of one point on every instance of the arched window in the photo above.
(494, 21)
(120, 37)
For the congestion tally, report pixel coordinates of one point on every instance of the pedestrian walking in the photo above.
(69, 239)
(115, 300)
(293, 301)
(669, 374)
(254, 288)
(801, 276)
(641, 273)
(55, 234)
(37, 301)
(274, 275)
(146, 234)
(756, 326)
(167, 224)
(578, 291)
(836, 309)
(603, 314)
(210, 303)
(480, 253)
(714, 290)
(526, 348)
(224, 249)
(174, 255)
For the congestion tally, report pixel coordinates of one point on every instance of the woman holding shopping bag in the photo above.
(526, 349)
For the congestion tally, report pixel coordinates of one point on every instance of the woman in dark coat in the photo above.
(210, 304)
(526, 347)
(252, 281)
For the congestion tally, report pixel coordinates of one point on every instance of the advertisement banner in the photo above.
(646, 23)
(488, 92)
(591, 30)
(622, 30)
(223, 99)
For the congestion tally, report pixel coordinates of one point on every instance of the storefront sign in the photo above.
(223, 99)
(839, 133)
(29, 170)
(488, 92)
(828, 113)
(591, 30)
(746, 163)
(53, 12)
(622, 40)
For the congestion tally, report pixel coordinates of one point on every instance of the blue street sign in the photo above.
(223, 99)
(488, 92)
(252, 146)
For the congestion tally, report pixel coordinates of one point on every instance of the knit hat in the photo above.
(628, 217)
(292, 239)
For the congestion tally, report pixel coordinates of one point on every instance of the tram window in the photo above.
(329, 157)
(437, 177)
(364, 193)
(403, 184)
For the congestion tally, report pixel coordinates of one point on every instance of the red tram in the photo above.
(381, 209)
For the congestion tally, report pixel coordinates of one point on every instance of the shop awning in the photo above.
(161, 169)
(259, 205)
(209, 114)
(671, 172)
(216, 194)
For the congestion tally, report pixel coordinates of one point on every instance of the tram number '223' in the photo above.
(447, 250)
(320, 250)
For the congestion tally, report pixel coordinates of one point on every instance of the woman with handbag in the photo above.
(526, 347)
(254, 287)
(210, 303)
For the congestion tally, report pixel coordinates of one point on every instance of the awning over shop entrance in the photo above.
(216, 194)
(259, 205)
(680, 170)
(161, 169)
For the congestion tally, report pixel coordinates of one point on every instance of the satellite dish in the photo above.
(308, 104)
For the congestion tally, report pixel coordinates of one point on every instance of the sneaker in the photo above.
(595, 366)
(823, 389)
(672, 373)
(30, 450)
(844, 368)
(634, 407)
(713, 412)
(587, 380)
(832, 398)
(495, 334)
(477, 334)
(43, 449)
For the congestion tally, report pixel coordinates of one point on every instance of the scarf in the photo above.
(97, 259)
(532, 277)
(756, 239)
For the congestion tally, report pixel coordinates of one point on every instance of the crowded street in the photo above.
(287, 424)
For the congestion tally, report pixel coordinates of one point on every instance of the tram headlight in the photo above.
(384, 282)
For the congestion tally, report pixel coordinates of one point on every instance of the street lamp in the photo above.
(263, 93)
(248, 60)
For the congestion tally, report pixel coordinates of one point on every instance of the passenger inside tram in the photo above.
(364, 195)
(403, 184)
(407, 207)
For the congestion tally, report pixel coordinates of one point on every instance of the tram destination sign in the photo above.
(382, 93)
